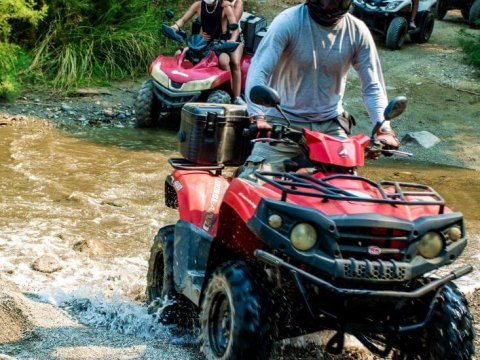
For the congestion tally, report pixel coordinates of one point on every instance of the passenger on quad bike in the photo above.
(214, 19)
(305, 56)
(309, 250)
(192, 75)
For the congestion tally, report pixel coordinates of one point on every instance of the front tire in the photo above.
(448, 336)
(234, 315)
(474, 16)
(219, 97)
(397, 30)
(426, 28)
(172, 308)
(440, 9)
(147, 107)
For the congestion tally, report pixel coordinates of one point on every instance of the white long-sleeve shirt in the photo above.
(308, 64)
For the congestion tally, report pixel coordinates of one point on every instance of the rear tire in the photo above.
(426, 28)
(234, 315)
(147, 107)
(448, 336)
(474, 16)
(440, 9)
(397, 30)
(172, 308)
(219, 97)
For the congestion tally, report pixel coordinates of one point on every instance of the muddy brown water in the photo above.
(62, 186)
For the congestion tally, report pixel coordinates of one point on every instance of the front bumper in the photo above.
(419, 292)
(332, 260)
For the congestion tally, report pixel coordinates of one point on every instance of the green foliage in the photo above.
(12, 58)
(470, 42)
(87, 40)
(24, 10)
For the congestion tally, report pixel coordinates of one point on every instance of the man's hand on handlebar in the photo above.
(387, 139)
(263, 127)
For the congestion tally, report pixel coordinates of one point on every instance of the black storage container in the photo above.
(251, 25)
(213, 134)
(258, 37)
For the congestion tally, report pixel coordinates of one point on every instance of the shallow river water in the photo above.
(62, 186)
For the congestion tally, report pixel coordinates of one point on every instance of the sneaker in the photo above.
(412, 25)
(239, 101)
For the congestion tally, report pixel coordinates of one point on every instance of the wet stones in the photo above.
(423, 138)
(90, 247)
(46, 264)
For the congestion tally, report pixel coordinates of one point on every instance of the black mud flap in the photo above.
(190, 258)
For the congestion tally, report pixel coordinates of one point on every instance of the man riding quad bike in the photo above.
(391, 18)
(315, 247)
(470, 10)
(206, 69)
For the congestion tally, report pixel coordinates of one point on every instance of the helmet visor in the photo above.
(331, 7)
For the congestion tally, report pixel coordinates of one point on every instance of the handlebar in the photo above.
(286, 134)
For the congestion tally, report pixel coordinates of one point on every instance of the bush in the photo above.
(12, 58)
(12, 61)
(470, 43)
(84, 41)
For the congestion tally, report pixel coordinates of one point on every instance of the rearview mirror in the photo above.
(265, 96)
(171, 33)
(395, 107)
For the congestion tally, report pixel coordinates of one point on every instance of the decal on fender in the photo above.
(177, 185)
(210, 217)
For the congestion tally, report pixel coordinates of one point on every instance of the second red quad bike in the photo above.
(193, 75)
(309, 249)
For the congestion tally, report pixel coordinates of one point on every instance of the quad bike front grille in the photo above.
(372, 242)
(374, 270)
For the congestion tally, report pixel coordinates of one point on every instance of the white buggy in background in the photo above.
(390, 18)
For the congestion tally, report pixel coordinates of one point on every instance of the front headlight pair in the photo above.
(303, 236)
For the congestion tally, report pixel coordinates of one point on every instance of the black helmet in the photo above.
(328, 12)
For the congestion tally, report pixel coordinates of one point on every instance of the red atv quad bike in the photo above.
(315, 248)
(193, 75)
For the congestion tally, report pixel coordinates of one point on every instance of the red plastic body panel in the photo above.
(180, 70)
(325, 149)
(200, 195)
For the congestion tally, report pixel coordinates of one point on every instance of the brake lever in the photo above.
(398, 153)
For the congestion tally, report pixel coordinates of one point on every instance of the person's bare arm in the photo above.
(230, 15)
(191, 12)
(237, 6)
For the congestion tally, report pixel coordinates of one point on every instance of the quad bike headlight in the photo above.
(275, 221)
(430, 245)
(196, 85)
(393, 5)
(303, 237)
(454, 233)
(159, 75)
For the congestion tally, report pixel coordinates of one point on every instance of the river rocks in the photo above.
(423, 138)
(47, 264)
(90, 247)
(66, 107)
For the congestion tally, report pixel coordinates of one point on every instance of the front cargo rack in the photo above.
(184, 164)
(297, 184)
